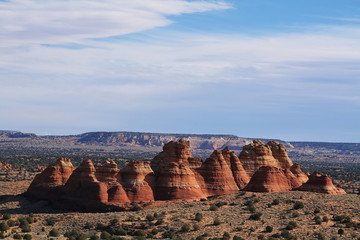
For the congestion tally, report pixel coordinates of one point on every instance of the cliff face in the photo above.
(175, 175)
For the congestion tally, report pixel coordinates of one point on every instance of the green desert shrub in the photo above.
(17, 236)
(25, 227)
(238, 238)
(50, 221)
(198, 217)
(27, 237)
(226, 236)
(135, 206)
(291, 225)
(4, 227)
(298, 205)
(185, 228)
(275, 202)
(139, 233)
(269, 229)
(169, 234)
(150, 217)
(255, 216)
(216, 222)
(6, 216)
(75, 235)
(213, 207)
(341, 231)
(159, 222)
(105, 235)
(13, 223)
(196, 227)
(325, 219)
(54, 233)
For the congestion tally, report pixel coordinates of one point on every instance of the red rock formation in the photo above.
(137, 178)
(172, 152)
(217, 175)
(53, 176)
(268, 179)
(83, 184)
(240, 176)
(106, 172)
(295, 169)
(174, 178)
(279, 152)
(321, 184)
(194, 162)
(294, 182)
(176, 175)
(255, 155)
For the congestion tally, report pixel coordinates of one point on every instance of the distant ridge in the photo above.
(123, 138)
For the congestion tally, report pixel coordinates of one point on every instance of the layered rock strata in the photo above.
(295, 169)
(174, 174)
(320, 183)
(268, 179)
(256, 155)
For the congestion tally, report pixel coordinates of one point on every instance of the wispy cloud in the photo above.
(51, 22)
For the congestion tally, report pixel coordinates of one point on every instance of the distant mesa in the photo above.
(174, 174)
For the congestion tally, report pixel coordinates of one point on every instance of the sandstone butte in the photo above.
(174, 174)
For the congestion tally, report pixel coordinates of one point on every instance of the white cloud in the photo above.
(53, 22)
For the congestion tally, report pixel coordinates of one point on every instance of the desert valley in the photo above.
(259, 193)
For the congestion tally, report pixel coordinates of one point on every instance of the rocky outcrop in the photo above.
(174, 178)
(174, 174)
(320, 184)
(293, 181)
(172, 152)
(217, 175)
(46, 184)
(83, 184)
(256, 155)
(137, 178)
(239, 174)
(295, 169)
(268, 179)
(279, 152)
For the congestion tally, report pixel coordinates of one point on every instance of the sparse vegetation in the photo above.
(298, 205)
(216, 222)
(54, 233)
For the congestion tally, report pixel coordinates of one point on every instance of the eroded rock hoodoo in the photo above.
(174, 174)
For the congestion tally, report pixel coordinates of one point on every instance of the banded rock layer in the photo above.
(174, 174)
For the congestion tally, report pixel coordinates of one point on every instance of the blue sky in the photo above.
(255, 68)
